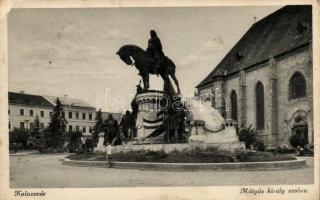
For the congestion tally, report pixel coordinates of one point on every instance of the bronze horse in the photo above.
(145, 63)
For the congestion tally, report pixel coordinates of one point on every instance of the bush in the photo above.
(298, 140)
(283, 150)
(247, 135)
(75, 143)
(53, 142)
(89, 143)
(259, 145)
(19, 136)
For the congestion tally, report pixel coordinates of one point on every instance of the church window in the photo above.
(259, 106)
(297, 87)
(234, 106)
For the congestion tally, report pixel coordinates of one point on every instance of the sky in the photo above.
(71, 52)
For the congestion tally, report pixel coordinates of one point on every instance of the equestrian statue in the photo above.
(150, 61)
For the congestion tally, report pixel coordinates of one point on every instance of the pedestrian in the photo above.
(109, 155)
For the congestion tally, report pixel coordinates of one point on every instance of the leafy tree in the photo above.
(56, 132)
(97, 128)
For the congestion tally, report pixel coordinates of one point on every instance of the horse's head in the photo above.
(124, 55)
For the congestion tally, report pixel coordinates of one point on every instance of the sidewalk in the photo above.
(23, 152)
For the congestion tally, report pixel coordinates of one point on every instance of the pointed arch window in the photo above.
(234, 105)
(259, 106)
(297, 87)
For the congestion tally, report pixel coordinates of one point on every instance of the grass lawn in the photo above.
(194, 156)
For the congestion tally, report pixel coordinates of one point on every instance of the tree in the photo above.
(35, 130)
(36, 139)
(97, 128)
(56, 132)
(19, 136)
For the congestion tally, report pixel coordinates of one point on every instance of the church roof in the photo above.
(282, 31)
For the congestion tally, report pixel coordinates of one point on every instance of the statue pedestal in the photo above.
(149, 117)
(226, 138)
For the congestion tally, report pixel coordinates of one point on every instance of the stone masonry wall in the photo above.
(287, 66)
(232, 84)
(283, 109)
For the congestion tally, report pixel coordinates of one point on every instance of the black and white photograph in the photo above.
(161, 97)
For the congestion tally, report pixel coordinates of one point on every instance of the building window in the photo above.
(70, 115)
(77, 115)
(21, 112)
(22, 125)
(9, 111)
(234, 105)
(77, 128)
(90, 116)
(31, 113)
(259, 106)
(70, 127)
(42, 113)
(9, 125)
(83, 115)
(297, 87)
(90, 129)
(84, 129)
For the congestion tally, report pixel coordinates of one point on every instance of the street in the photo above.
(47, 171)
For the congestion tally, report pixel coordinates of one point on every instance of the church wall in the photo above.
(205, 91)
(285, 109)
(232, 84)
(286, 67)
(259, 73)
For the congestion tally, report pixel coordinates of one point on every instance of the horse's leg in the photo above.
(173, 76)
(145, 79)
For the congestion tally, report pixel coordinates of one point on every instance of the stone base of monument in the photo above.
(149, 116)
(202, 138)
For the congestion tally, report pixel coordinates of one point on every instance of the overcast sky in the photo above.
(72, 51)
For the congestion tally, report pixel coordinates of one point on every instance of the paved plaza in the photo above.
(47, 171)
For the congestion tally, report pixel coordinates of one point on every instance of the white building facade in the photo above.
(23, 109)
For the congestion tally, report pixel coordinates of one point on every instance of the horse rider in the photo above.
(155, 49)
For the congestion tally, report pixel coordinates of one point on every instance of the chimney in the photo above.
(65, 99)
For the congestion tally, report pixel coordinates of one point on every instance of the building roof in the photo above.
(28, 99)
(282, 31)
(71, 102)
